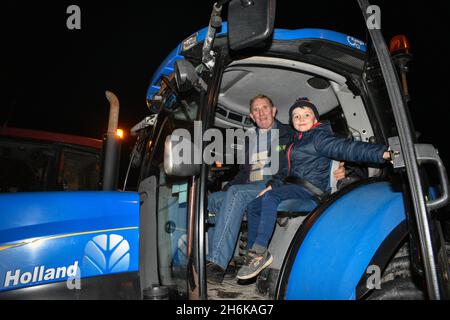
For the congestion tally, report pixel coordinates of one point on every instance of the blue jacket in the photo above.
(285, 134)
(308, 157)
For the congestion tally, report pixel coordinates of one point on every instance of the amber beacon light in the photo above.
(401, 54)
(119, 133)
(399, 44)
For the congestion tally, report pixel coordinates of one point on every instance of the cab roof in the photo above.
(167, 66)
(51, 137)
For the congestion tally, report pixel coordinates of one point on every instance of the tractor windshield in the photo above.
(25, 166)
(28, 165)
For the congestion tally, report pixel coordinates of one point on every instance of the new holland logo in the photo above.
(39, 273)
(103, 254)
(106, 254)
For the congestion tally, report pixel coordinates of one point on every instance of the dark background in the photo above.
(54, 78)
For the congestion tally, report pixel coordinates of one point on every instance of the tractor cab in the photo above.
(322, 251)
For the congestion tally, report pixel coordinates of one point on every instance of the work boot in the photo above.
(254, 264)
(214, 273)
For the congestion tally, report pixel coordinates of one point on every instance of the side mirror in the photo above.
(175, 164)
(250, 22)
(186, 77)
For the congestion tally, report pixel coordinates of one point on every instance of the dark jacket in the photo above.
(308, 157)
(285, 133)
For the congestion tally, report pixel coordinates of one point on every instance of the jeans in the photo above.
(262, 212)
(229, 207)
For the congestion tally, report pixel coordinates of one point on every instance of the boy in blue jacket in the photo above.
(306, 176)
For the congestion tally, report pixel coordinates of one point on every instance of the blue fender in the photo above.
(338, 248)
(46, 236)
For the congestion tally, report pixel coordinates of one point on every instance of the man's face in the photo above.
(263, 113)
(303, 119)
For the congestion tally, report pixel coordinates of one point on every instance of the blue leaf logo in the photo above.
(106, 254)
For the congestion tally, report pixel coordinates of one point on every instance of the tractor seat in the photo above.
(299, 207)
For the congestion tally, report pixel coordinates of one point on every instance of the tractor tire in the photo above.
(397, 282)
(398, 289)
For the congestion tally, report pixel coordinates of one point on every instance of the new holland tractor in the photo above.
(376, 238)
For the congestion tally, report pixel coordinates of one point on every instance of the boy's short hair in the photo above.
(260, 96)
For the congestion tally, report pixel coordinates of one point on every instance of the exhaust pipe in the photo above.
(111, 146)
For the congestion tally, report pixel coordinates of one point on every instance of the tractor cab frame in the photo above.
(210, 77)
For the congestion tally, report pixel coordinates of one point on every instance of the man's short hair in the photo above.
(260, 96)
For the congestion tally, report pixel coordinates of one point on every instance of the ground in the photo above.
(230, 289)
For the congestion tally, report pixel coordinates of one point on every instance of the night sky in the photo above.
(54, 78)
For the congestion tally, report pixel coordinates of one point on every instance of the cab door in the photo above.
(409, 158)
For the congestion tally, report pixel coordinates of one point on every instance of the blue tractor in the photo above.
(377, 238)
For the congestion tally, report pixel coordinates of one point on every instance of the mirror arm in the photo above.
(201, 85)
(214, 23)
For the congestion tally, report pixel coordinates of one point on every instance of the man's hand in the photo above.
(264, 191)
(339, 173)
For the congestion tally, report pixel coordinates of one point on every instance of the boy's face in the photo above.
(263, 113)
(303, 119)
